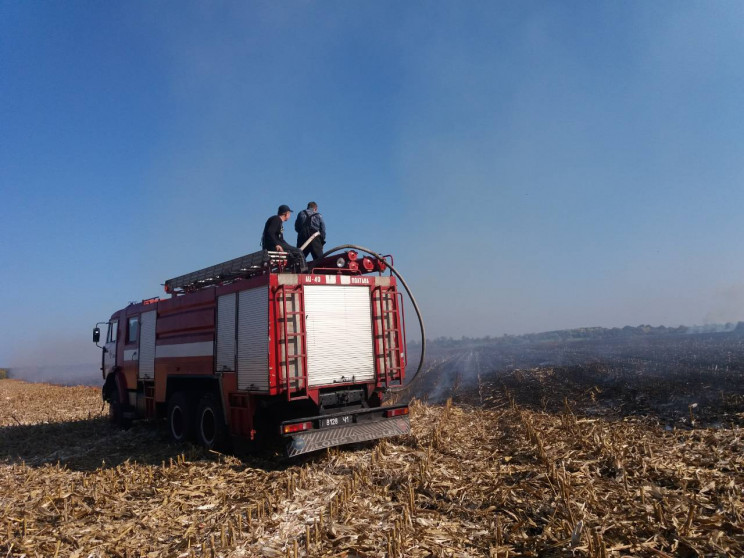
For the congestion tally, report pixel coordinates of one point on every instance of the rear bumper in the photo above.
(368, 424)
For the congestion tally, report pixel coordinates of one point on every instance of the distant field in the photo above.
(545, 461)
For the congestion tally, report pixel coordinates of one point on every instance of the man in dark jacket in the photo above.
(273, 238)
(308, 222)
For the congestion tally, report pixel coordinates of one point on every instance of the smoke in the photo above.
(66, 375)
(712, 328)
(728, 305)
(57, 358)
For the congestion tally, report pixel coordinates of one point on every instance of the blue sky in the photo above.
(530, 165)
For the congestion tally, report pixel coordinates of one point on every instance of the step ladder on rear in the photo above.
(290, 312)
(389, 333)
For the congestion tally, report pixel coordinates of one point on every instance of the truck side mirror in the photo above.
(96, 334)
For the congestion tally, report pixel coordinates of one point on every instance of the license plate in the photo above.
(343, 420)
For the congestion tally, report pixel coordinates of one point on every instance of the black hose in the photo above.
(410, 296)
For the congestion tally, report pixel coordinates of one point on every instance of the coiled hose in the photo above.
(410, 296)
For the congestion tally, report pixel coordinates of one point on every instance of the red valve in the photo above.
(367, 264)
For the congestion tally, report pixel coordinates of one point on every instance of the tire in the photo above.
(180, 417)
(116, 409)
(211, 432)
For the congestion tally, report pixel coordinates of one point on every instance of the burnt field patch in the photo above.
(677, 380)
(601, 457)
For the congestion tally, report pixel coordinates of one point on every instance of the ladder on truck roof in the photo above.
(244, 267)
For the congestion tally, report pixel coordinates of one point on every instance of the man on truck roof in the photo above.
(273, 238)
(308, 222)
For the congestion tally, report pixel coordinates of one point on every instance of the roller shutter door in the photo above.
(147, 345)
(338, 323)
(226, 306)
(253, 339)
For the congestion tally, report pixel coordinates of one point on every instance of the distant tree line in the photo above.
(589, 334)
(3, 373)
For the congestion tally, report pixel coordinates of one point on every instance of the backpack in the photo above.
(302, 224)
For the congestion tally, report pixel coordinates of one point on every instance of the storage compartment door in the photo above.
(147, 345)
(253, 339)
(226, 310)
(338, 324)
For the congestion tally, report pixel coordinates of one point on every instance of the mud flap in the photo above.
(313, 440)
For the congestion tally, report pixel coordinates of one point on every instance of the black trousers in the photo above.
(295, 257)
(315, 248)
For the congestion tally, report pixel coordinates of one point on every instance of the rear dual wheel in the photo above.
(211, 432)
(180, 417)
(203, 421)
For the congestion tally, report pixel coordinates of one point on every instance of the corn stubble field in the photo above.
(546, 461)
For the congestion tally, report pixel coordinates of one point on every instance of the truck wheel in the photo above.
(211, 432)
(180, 417)
(116, 409)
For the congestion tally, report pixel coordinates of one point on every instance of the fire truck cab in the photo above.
(249, 348)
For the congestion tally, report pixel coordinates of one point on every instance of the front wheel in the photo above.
(116, 407)
(211, 432)
(180, 417)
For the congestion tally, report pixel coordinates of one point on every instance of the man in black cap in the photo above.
(273, 238)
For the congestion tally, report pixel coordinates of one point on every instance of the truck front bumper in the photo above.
(325, 431)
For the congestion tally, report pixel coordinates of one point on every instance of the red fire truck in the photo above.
(250, 348)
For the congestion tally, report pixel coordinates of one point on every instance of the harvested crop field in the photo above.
(538, 462)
